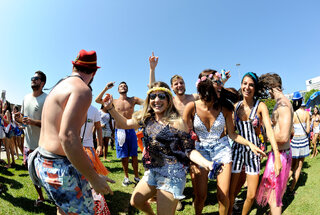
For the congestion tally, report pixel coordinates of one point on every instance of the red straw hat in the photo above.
(86, 59)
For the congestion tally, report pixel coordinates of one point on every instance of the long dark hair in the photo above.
(207, 92)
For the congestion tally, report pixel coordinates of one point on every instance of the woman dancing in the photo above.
(208, 117)
(167, 151)
(249, 115)
(300, 141)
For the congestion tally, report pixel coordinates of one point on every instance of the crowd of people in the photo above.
(218, 132)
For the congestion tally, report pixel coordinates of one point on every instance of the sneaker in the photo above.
(136, 179)
(126, 182)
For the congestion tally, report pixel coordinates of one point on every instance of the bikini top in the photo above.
(215, 131)
(253, 117)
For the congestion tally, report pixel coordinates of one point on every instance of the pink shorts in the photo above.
(271, 183)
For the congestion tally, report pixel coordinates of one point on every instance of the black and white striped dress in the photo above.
(241, 154)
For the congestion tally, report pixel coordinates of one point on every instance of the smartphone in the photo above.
(110, 85)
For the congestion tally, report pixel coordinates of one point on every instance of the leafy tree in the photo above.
(308, 94)
(270, 104)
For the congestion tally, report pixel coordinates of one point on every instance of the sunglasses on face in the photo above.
(218, 82)
(161, 96)
(35, 78)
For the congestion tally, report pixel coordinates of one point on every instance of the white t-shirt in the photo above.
(105, 119)
(93, 116)
(32, 108)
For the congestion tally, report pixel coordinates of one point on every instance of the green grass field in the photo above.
(20, 194)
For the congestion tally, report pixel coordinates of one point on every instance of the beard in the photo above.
(35, 87)
(180, 92)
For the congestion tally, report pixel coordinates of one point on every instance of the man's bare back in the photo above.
(63, 113)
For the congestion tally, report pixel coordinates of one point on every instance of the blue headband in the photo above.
(253, 76)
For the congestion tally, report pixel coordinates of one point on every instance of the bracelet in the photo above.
(111, 107)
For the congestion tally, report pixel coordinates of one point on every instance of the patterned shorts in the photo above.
(26, 152)
(65, 185)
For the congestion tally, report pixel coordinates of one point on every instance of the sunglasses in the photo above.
(218, 82)
(161, 96)
(35, 78)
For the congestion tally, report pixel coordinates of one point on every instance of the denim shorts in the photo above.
(218, 151)
(65, 185)
(171, 184)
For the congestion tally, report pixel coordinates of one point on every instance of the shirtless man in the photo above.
(177, 85)
(282, 120)
(126, 139)
(60, 157)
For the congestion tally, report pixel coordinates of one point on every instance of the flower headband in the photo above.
(160, 89)
(209, 77)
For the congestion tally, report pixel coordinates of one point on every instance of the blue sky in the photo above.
(188, 36)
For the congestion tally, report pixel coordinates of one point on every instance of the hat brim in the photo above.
(296, 99)
(85, 65)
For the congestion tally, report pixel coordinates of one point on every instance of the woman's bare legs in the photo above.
(296, 171)
(166, 204)
(199, 179)
(252, 181)
(105, 147)
(232, 190)
(223, 184)
(314, 142)
(140, 196)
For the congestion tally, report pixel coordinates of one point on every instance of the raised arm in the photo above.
(153, 61)
(267, 123)
(138, 101)
(107, 87)
(121, 121)
(236, 137)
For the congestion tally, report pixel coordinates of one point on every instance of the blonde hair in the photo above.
(171, 115)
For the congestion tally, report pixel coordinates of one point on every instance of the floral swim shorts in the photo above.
(65, 185)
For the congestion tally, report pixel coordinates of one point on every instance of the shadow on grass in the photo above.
(120, 203)
(12, 183)
(5, 171)
(287, 199)
(27, 204)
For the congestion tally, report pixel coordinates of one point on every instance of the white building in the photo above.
(313, 83)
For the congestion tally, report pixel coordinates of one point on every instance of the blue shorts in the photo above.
(219, 151)
(65, 185)
(171, 184)
(130, 146)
